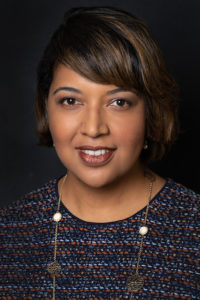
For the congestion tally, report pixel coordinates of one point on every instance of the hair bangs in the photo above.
(110, 46)
(100, 53)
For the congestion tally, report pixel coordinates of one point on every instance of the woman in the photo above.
(111, 228)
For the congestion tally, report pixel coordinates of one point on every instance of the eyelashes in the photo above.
(120, 102)
(68, 101)
(117, 103)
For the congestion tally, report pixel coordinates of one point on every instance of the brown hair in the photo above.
(110, 46)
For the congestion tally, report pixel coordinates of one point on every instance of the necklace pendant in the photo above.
(54, 268)
(135, 282)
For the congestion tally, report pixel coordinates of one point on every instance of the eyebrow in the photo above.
(72, 89)
(119, 90)
(66, 88)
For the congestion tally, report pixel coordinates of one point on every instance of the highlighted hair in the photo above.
(110, 46)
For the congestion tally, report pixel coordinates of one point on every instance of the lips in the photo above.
(87, 147)
(95, 155)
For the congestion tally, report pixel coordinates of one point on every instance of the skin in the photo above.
(82, 112)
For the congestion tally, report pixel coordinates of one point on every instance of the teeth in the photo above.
(95, 153)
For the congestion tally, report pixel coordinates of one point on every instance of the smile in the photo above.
(95, 153)
(95, 158)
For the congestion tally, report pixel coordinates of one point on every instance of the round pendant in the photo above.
(134, 282)
(54, 268)
(57, 216)
(143, 230)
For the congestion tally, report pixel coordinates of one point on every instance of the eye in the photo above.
(68, 101)
(121, 103)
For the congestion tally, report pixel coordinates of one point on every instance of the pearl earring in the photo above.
(145, 145)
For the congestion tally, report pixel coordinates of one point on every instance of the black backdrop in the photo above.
(25, 28)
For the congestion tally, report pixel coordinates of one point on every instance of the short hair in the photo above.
(111, 46)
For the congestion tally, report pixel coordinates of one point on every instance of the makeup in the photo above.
(94, 156)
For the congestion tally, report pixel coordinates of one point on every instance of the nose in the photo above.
(94, 123)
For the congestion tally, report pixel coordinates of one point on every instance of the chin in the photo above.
(98, 181)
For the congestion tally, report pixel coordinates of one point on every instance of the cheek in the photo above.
(60, 127)
(131, 132)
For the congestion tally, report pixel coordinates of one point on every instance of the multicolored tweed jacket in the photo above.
(97, 258)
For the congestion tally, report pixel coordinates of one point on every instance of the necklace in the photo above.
(135, 281)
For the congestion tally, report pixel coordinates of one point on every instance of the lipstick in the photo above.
(95, 156)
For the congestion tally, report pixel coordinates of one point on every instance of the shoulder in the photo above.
(177, 206)
(181, 196)
(31, 203)
(28, 221)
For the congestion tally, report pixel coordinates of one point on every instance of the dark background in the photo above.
(25, 28)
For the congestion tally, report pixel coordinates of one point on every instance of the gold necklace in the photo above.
(135, 281)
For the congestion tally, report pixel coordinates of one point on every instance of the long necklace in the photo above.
(135, 281)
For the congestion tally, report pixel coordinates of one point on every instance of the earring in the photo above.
(145, 145)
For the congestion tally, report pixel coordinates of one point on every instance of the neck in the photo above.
(115, 201)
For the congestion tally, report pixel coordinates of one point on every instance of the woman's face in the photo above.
(98, 130)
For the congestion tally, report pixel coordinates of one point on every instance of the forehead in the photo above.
(65, 78)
